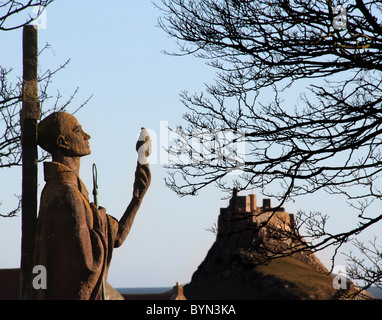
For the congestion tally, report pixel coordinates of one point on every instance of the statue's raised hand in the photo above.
(142, 180)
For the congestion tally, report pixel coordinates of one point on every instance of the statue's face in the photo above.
(73, 140)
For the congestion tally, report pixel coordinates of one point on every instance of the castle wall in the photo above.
(279, 219)
(243, 210)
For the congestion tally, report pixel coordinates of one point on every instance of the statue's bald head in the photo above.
(59, 132)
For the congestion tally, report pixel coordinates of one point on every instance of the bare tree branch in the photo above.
(16, 14)
(327, 139)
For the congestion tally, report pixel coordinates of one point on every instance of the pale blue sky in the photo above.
(115, 52)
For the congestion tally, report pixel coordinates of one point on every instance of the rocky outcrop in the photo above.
(237, 266)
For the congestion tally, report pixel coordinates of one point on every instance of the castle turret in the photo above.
(243, 211)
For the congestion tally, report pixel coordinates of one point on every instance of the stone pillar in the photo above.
(29, 116)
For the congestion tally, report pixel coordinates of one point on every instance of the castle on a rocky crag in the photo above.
(237, 266)
(243, 213)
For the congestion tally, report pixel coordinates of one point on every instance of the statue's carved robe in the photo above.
(74, 250)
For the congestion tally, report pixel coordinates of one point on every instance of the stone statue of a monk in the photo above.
(74, 238)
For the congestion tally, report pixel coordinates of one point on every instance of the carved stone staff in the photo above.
(29, 116)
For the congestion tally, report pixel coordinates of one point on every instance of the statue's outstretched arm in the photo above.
(141, 184)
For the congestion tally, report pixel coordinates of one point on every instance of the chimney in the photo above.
(253, 202)
(266, 203)
(177, 292)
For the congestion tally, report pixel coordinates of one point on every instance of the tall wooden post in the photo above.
(29, 116)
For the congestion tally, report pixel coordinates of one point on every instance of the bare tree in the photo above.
(367, 267)
(328, 138)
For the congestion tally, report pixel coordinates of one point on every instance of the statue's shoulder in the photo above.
(62, 194)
